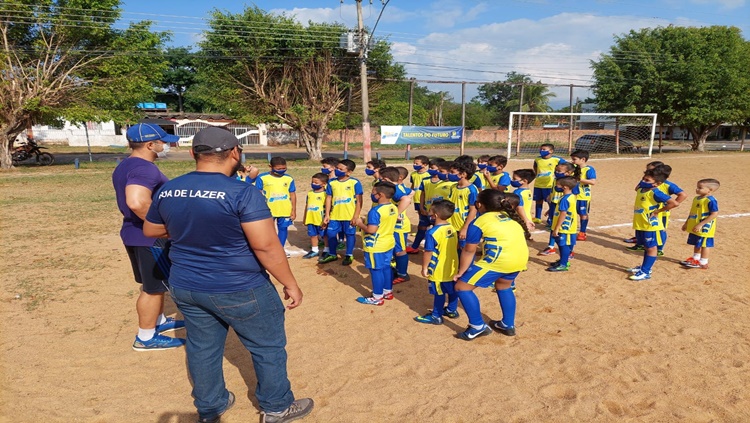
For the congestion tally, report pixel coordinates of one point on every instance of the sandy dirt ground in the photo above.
(591, 345)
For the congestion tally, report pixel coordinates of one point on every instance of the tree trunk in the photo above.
(312, 144)
(6, 148)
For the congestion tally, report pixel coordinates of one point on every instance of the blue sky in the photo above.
(474, 40)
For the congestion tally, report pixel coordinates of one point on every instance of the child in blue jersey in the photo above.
(401, 199)
(522, 178)
(421, 173)
(701, 224)
(564, 223)
(474, 177)
(544, 167)
(464, 196)
(440, 263)
(495, 177)
(562, 170)
(281, 196)
(649, 202)
(343, 205)
(587, 178)
(504, 255)
(379, 242)
(315, 210)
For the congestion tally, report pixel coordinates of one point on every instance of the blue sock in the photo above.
(551, 214)
(377, 281)
(402, 264)
(538, 210)
(333, 242)
(350, 241)
(584, 224)
(419, 237)
(283, 235)
(551, 243)
(452, 302)
(648, 263)
(470, 302)
(663, 235)
(437, 305)
(508, 306)
(565, 251)
(387, 275)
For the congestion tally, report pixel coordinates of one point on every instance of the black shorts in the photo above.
(151, 266)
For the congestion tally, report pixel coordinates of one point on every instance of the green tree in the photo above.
(496, 95)
(180, 74)
(693, 77)
(63, 60)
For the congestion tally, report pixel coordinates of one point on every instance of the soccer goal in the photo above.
(599, 133)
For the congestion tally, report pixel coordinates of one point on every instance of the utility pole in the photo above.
(363, 43)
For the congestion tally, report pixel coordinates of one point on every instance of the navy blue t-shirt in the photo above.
(135, 171)
(202, 213)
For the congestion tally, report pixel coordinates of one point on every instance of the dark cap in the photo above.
(214, 139)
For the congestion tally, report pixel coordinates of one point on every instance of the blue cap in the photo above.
(145, 132)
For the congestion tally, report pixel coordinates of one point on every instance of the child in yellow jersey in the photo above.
(314, 212)
(431, 190)
(701, 223)
(544, 166)
(522, 178)
(343, 204)
(464, 196)
(481, 167)
(440, 263)
(401, 199)
(421, 173)
(281, 196)
(504, 256)
(646, 222)
(561, 171)
(474, 177)
(495, 176)
(564, 223)
(587, 178)
(379, 242)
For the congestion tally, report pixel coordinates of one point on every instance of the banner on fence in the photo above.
(421, 134)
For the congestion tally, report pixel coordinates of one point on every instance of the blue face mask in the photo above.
(559, 175)
(443, 176)
(339, 173)
(645, 185)
(374, 198)
(492, 169)
(516, 184)
(432, 172)
(369, 172)
(558, 189)
(482, 166)
(544, 153)
(417, 167)
(453, 177)
(280, 171)
(325, 170)
(316, 187)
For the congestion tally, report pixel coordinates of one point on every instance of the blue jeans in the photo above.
(257, 316)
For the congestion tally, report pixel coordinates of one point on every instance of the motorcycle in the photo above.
(32, 149)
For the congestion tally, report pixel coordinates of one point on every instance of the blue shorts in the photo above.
(440, 288)
(378, 260)
(425, 221)
(649, 239)
(400, 242)
(337, 226)
(417, 207)
(283, 222)
(700, 241)
(542, 193)
(461, 244)
(485, 278)
(565, 239)
(315, 230)
(583, 207)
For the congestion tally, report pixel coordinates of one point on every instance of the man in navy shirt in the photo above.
(135, 179)
(223, 246)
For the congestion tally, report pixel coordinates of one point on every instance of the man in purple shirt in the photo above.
(135, 180)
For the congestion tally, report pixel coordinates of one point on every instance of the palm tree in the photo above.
(536, 98)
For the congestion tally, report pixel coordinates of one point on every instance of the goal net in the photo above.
(599, 133)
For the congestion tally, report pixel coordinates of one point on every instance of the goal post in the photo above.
(599, 133)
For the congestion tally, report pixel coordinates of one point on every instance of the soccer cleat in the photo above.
(371, 301)
(554, 264)
(451, 314)
(401, 279)
(572, 255)
(659, 253)
(340, 246)
(347, 261)
(536, 220)
(170, 325)
(559, 268)
(640, 276)
(412, 250)
(630, 240)
(470, 333)
(696, 265)
(429, 319)
(158, 342)
(328, 258)
(689, 261)
(217, 418)
(547, 251)
(635, 248)
(499, 326)
(634, 270)
(299, 409)
(581, 236)
(388, 296)
(311, 254)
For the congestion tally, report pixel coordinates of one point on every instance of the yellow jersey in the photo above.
(442, 242)
(567, 203)
(505, 248)
(416, 181)
(645, 204)
(462, 198)
(482, 180)
(435, 191)
(587, 172)
(384, 216)
(403, 224)
(343, 198)
(277, 190)
(701, 208)
(525, 195)
(670, 189)
(502, 178)
(315, 208)
(477, 180)
(545, 171)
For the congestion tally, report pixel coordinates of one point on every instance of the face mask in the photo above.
(316, 187)
(417, 167)
(373, 198)
(442, 176)
(482, 166)
(645, 185)
(516, 184)
(453, 177)
(558, 189)
(559, 175)
(492, 169)
(544, 153)
(369, 172)
(280, 171)
(325, 170)
(432, 172)
(163, 154)
(340, 173)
